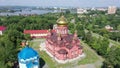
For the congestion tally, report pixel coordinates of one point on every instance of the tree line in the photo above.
(10, 41)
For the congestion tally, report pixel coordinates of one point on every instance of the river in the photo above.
(27, 12)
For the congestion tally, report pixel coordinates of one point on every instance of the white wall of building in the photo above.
(0, 32)
(21, 65)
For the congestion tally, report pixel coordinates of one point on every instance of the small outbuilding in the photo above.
(28, 58)
(2, 29)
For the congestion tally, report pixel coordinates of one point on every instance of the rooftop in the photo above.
(65, 40)
(2, 28)
(27, 53)
(35, 31)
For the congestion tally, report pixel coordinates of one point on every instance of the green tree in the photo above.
(104, 44)
(88, 37)
(113, 58)
(8, 52)
(118, 27)
(27, 37)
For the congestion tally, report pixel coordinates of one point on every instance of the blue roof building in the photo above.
(28, 58)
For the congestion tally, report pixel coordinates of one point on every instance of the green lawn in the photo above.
(35, 44)
(91, 57)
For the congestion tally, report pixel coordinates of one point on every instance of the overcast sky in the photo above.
(74, 3)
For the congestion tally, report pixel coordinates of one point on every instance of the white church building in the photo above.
(28, 58)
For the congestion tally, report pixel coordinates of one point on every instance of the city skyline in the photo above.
(67, 3)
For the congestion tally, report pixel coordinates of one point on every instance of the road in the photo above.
(112, 42)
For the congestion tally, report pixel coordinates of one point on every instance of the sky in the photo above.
(72, 3)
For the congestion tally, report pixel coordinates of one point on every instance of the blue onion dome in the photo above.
(27, 53)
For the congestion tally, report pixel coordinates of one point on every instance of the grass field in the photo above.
(91, 56)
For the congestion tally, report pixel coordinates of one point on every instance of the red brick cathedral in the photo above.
(60, 44)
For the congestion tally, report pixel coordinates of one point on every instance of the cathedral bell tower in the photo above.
(62, 27)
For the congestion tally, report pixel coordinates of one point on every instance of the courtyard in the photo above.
(90, 60)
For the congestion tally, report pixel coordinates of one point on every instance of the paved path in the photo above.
(45, 66)
(112, 42)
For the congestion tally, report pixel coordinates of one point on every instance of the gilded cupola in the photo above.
(62, 21)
